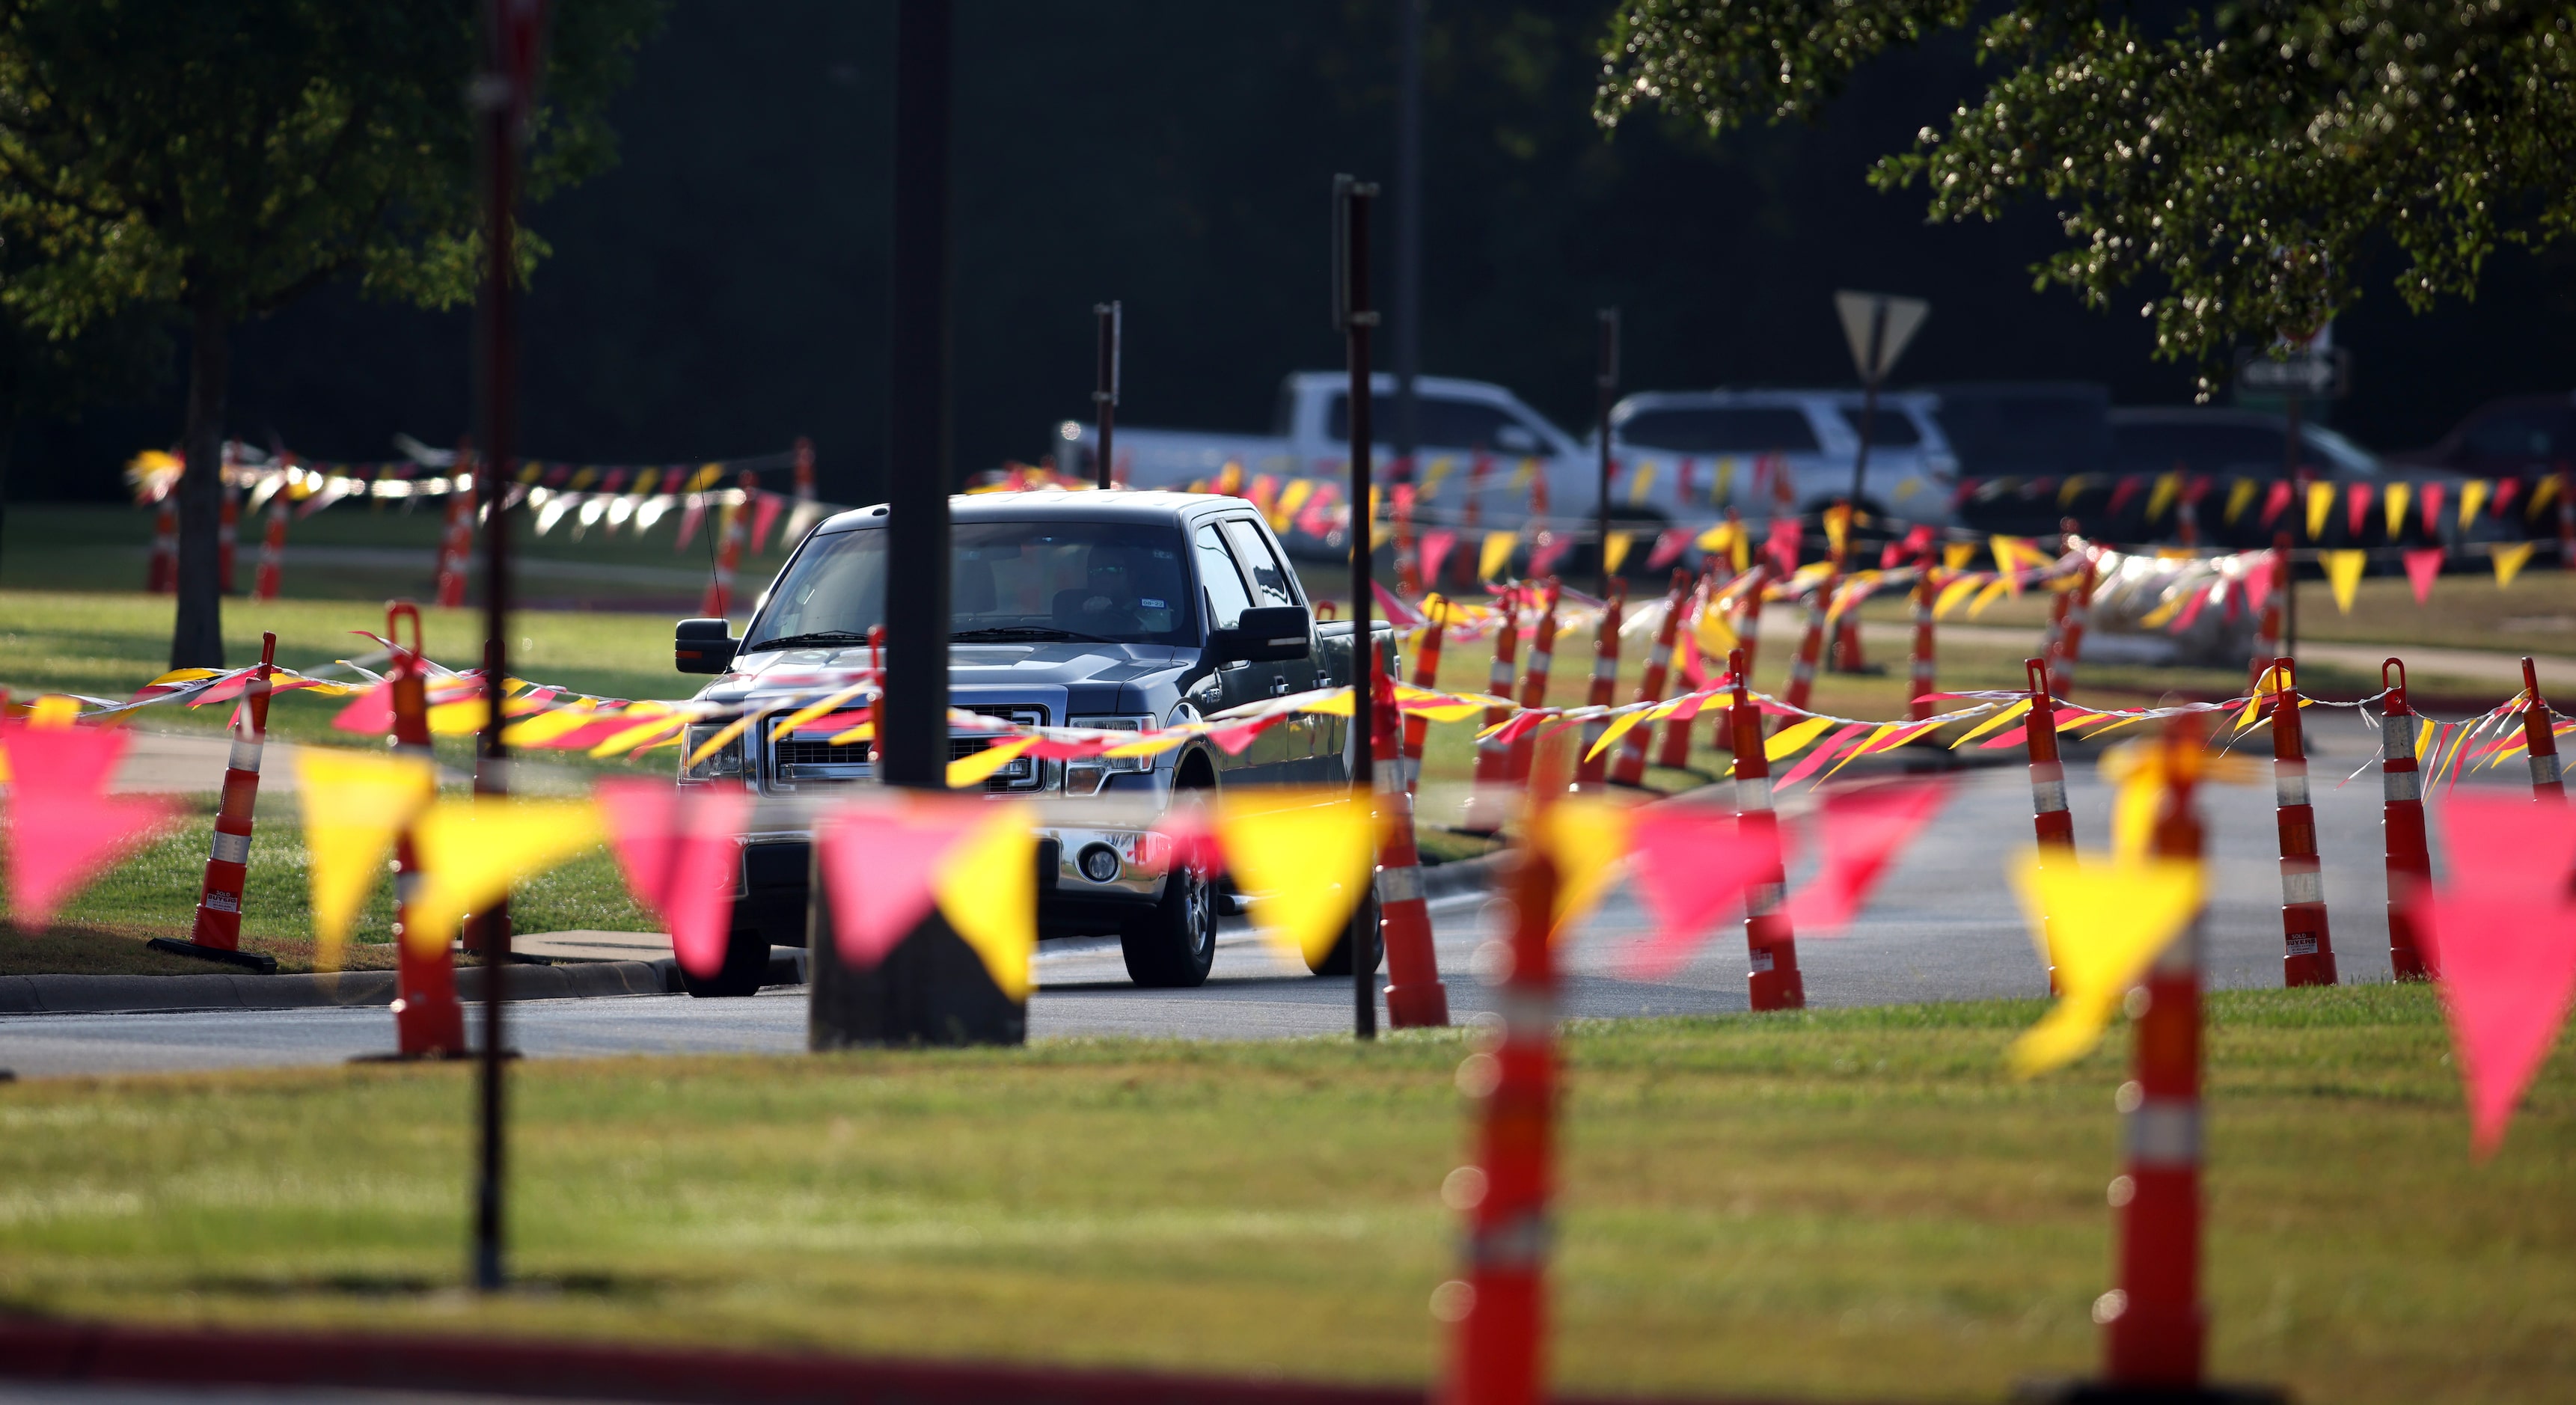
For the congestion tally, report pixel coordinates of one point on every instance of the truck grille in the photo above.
(809, 755)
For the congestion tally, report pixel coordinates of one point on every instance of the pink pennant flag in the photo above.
(681, 858)
(2015, 736)
(1395, 609)
(1808, 765)
(1691, 866)
(1865, 828)
(1686, 658)
(1186, 839)
(1668, 547)
(2432, 495)
(2508, 847)
(1434, 552)
(2507, 489)
(2260, 568)
(2356, 508)
(878, 866)
(1234, 739)
(2123, 491)
(1783, 545)
(2508, 968)
(2191, 609)
(690, 517)
(2423, 567)
(63, 827)
(764, 515)
(2275, 502)
(370, 713)
(1552, 547)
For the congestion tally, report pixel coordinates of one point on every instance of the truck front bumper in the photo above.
(777, 866)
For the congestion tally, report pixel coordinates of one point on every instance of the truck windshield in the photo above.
(1117, 582)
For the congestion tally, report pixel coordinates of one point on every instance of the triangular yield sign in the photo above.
(1861, 315)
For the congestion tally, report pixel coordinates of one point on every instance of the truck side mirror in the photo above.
(1268, 634)
(702, 646)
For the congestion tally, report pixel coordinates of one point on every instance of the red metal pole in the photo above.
(1487, 807)
(2410, 867)
(219, 898)
(272, 551)
(1415, 998)
(2155, 1329)
(2307, 940)
(1631, 769)
(1591, 772)
(1497, 1347)
(2547, 783)
(1774, 982)
(1534, 680)
(428, 1022)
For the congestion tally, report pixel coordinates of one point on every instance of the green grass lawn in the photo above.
(1845, 1204)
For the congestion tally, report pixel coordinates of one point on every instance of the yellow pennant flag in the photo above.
(1640, 483)
(2073, 488)
(2320, 502)
(1714, 635)
(1619, 727)
(987, 887)
(2343, 573)
(1714, 541)
(1955, 556)
(462, 718)
(1797, 734)
(1495, 554)
(2162, 495)
(2473, 495)
(1292, 498)
(2101, 925)
(1740, 551)
(1991, 723)
(1307, 856)
(2007, 551)
(1838, 523)
(2240, 496)
(355, 804)
(2543, 493)
(1615, 550)
(1994, 589)
(1438, 470)
(472, 852)
(1585, 839)
(1954, 592)
(2395, 500)
(974, 769)
(2509, 561)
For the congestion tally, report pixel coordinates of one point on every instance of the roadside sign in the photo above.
(2315, 374)
(1878, 325)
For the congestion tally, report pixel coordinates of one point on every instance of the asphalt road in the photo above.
(1943, 927)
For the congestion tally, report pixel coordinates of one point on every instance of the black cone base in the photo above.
(247, 960)
(931, 989)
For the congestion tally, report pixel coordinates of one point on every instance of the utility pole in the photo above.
(1104, 393)
(1408, 240)
(1353, 317)
(1606, 380)
(503, 99)
(930, 989)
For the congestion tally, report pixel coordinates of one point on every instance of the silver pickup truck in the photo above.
(1118, 610)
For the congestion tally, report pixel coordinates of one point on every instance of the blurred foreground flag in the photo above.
(64, 829)
(1307, 856)
(886, 865)
(355, 805)
(2503, 933)
(2101, 925)
(681, 858)
(472, 852)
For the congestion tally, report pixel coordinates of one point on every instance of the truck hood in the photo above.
(1037, 672)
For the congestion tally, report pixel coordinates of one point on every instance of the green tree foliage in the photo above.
(225, 158)
(2243, 162)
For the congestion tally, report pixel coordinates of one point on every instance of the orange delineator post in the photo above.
(1487, 809)
(2155, 1329)
(1497, 1344)
(2051, 822)
(428, 1021)
(161, 577)
(1415, 998)
(1677, 733)
(1811, 645)
(2410, 867)
(2548, 783)
(1591, 772)
(1918, 702)
(2069, 649)
(2306, 939)
(219, 898)
(227, 541)
(737, 527)
(1748, 612)
(1774, 982)
(1631, 769)
(456, 546)
(1426, 674)
(272, 552)
(1534, 679)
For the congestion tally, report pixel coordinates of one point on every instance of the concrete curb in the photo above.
(582, 980)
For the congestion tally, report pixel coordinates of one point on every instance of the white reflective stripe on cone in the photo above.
(2163, 1132)
(2290, 782)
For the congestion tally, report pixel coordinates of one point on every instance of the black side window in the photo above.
(1893, 428)
(1723, 430)
(1269, 579)
(1226, 597)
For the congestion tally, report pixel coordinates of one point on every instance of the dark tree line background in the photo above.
(723, 289)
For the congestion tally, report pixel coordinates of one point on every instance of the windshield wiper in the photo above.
(1025, 631)
(807, 641)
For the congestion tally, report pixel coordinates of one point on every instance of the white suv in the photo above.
(1718, 448)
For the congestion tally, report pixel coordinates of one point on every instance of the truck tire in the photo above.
(746, 964)
(1172, 945)
(1337, 961)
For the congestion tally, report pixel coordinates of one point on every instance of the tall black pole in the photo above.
(914, 750)
(1352, 314)
(1408, 237)
(1104, 394)
(2292, 467)
(502, 95)
(1606, 381)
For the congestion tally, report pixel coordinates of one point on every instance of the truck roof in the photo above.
(1058, 505)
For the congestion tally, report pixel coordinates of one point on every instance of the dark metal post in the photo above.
(1606, 380)
(503, 97)
(1353, 317)
(1869, 400)
(1104, 394)
(1408, 238)
(2292, 465)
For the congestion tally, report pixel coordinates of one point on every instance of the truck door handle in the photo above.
(1279, 686)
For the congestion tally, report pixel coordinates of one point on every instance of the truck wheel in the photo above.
(1337, 961)
(746, 964)
(1172, 944)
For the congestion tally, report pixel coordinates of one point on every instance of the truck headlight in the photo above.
(1085, 777)
(724, 763)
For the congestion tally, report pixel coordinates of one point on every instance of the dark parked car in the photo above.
(2522, 436)
(2016, 441)
(2221, 448)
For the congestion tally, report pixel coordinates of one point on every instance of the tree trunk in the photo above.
(197, 640)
